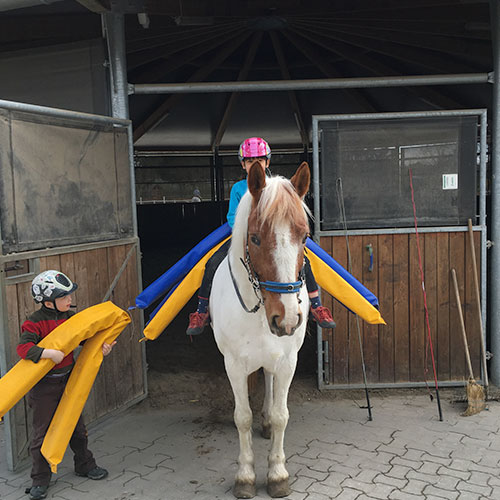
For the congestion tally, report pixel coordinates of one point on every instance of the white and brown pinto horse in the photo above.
(264, 267)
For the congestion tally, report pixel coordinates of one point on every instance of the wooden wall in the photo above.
(121, 377)
(399, 352)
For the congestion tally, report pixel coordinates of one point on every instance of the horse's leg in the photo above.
(266, 406)
(244, 485)
(277, 477)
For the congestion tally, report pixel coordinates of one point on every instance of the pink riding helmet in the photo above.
(254, 147)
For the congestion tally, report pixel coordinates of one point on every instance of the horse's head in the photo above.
(277, 233)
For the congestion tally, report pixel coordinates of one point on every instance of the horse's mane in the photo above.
(279, 202)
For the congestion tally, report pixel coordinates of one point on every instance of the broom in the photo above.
(479, 311)
(475, 393)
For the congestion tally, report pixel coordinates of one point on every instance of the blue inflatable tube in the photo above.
(177, 272)
(331, 262)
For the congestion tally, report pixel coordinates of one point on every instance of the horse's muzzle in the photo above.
(280, 329)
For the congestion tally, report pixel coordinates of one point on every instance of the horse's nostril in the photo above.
(274, 321)
(299, 320)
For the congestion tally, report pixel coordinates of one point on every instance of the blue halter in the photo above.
(279, 287)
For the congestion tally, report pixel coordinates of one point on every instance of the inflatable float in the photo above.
(179, 283)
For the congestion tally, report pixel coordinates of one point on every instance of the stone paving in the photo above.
(333, 452)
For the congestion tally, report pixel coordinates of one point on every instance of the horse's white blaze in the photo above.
(285, 259)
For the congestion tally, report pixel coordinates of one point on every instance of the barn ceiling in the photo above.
(176, 41)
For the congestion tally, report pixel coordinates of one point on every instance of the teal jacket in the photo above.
(237, 192)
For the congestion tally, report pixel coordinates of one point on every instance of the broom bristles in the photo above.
(475, 398)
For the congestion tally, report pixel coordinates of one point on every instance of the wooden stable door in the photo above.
(399, 352)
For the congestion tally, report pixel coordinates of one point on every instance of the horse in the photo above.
(259, 308)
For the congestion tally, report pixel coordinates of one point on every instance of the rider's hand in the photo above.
(53, 354)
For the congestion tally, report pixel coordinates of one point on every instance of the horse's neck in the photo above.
(236, 257)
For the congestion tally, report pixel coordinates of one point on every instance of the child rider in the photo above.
(53, 290)
(253, 149)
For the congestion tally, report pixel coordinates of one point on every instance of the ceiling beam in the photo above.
(97, 6)
(424, 58)
(292, 96)
(168, 66)
(242, 76)
(327, 69)
(428, 95)
(470, 50)
(163, 109)
(143, 57)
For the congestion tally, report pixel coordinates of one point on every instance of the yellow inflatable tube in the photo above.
(77, 392)
(179, 297)
(19, 380)
(338, 287)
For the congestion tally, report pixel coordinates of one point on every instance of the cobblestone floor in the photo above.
(333, 452)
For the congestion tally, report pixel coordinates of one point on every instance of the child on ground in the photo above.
(253, 149)
(52, 289)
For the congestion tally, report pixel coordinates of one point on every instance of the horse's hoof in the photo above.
(244, 490)
(278, 489)
(266, 431)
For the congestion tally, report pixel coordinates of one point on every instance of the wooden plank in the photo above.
(136, 347)
(355, 324)
(135, 351)
(52, 262)
(120, 357)
(457, 353)
(443, 308)
(97, 277)
(386, 300)
(430, 276)
(471, 316)
(417, 314)
(80, 277)
(327, 301)
(370, 280)
(401, 308)
(341, 315)
(14, 324)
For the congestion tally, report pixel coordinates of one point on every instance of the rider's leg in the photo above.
(199, 319)
(320, 313)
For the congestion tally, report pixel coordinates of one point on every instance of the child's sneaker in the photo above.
(197, 323)
(38, 492)
(323, 317)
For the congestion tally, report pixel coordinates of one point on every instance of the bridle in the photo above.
(258, 286)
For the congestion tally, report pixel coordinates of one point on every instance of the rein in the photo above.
(257, 285)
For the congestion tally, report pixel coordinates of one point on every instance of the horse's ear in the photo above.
(302, 179)
(256, 180)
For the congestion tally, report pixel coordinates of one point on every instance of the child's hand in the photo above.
(53, 354)
(106, 348)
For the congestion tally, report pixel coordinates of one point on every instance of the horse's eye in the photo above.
(305, 239)
(255, 240)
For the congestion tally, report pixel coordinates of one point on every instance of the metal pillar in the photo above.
(114, 26)
(495, 201)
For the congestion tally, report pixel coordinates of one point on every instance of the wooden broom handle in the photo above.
(478, 302)
(462, 324)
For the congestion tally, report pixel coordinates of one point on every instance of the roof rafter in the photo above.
(292, 96)
(426, 94)
(163, 109)
(161, 69)
(471, 50)
(243, 74)
(326, 68)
